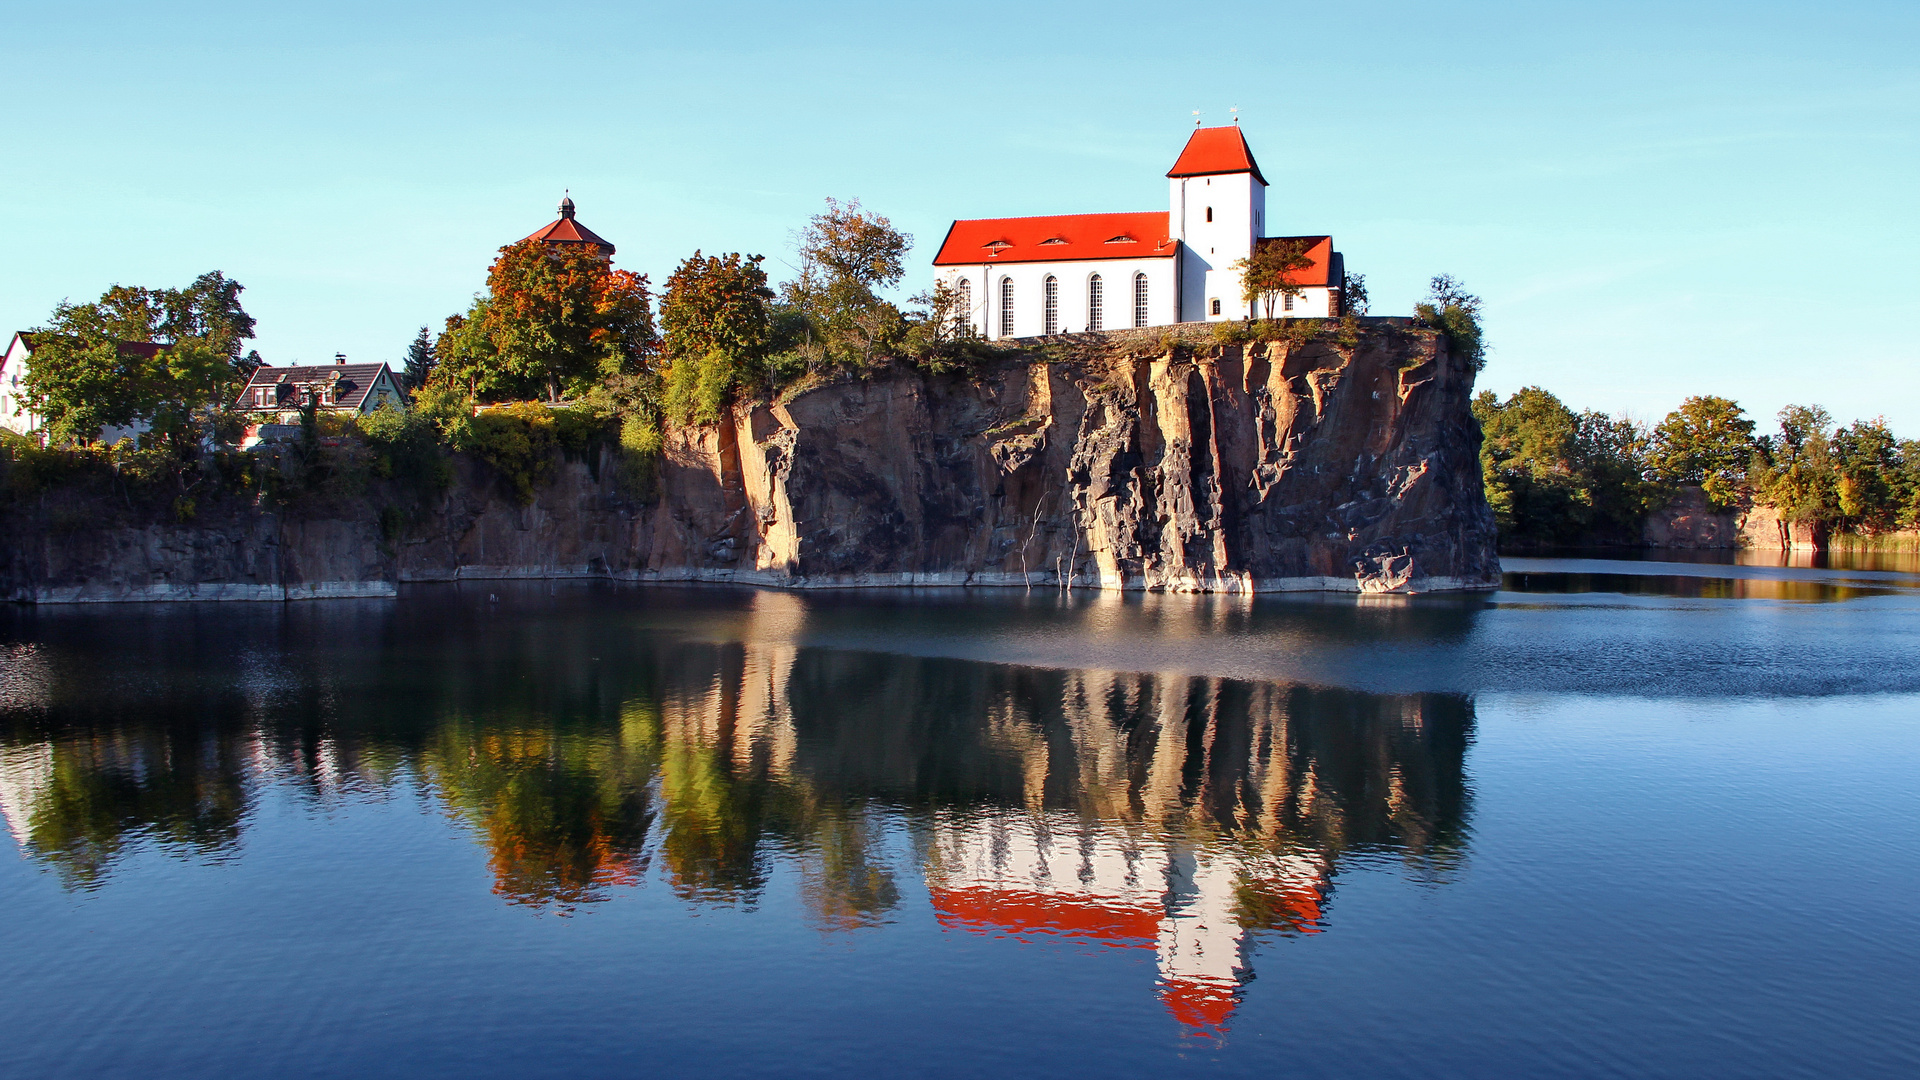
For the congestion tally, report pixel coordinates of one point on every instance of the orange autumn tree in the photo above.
(556, 319)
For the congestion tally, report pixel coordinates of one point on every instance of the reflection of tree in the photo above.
(845, 882)
(564, 812)
(85, 799)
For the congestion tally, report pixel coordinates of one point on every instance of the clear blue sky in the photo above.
(1654, 199)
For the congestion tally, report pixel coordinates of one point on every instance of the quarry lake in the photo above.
(1621, 818)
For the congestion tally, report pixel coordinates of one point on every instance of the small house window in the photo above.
(1216, 305)
(1050, 304)
(1286, 304)
(1006, 307)
(1093, 302)
(1139, 299)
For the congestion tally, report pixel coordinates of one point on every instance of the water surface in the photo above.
(1651, 818)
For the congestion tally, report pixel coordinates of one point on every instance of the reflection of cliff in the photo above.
(1191, 816)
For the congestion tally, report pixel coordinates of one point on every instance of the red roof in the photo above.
(1212, 151)
(983, 909)
(1202, 1004)
(1057, 239)
(568, 231)
(1319, 252)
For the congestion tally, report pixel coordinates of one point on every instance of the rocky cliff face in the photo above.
(1204, 468)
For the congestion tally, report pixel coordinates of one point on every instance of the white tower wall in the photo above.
(1218, 217)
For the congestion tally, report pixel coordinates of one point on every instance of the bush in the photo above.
(406, 449)
(518, 441)
(1450, 309)
(640, 445)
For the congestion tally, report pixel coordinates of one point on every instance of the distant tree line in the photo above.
(1555, 476)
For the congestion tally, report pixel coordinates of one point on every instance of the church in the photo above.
(1022, 277)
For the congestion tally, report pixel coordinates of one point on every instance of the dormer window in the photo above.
(997, 247)
(1052, 240)
(1123, 238)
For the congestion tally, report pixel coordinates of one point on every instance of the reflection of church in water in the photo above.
(1194, 817)
(1189, 816)
(1056, 874)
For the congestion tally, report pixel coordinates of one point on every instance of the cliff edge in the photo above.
(1120, 461)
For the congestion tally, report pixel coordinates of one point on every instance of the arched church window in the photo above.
(1050, 305)
(963, 300)
(1006, 307)
(1094, 302)
(1209, 213)
(1139, 299)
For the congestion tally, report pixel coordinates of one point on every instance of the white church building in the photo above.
(1021, 277)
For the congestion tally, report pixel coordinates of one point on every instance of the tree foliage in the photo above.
(1455, 312)
(1706, 441)
(1858, 478)
(846, 255)
(1353, 294)
(556, 319)
(88, 373)
(1554, 476)
(717, 331)
(421, 358)
(1272, 272)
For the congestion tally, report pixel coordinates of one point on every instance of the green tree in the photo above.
(1272, 271)
(1455, 312)
(1706, 441)
(1353, 294)
(421, 358)
(1871, 476)
(1554, 476)
(847, 255)
(1794, 471)
(717, 333)
(467, 360)
(94, 365)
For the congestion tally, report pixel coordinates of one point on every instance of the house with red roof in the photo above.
(1022, 277)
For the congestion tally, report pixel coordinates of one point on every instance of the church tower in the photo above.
(1217, 206)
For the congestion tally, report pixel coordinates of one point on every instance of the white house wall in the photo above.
(13, 412)
(1029, 308)
(1239, 204)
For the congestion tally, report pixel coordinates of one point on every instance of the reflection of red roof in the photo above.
(1319, 252)
(1205, 1004)
(1059, 238)
(1212, 151)
(985, 910)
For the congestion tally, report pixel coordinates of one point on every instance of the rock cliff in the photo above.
(1178, 465)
